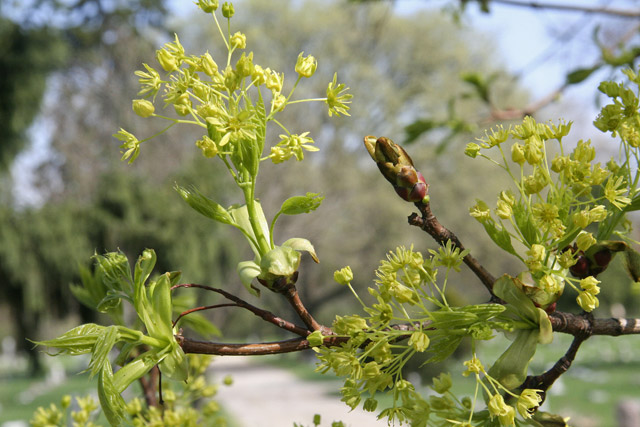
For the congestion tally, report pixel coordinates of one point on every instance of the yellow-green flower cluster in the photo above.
(225, 99)
(558, 193)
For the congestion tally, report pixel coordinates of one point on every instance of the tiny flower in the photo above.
(337, 98)
(315, 339)
(614, 194)
(130, 144)
(507, 418)
(228, 10)
(306, 66)
(559, 163)
(533, 184)
(504, 210)
(259, 75)
(590, 285)
(182, 105)
(149, 81)
(507, 197)
(238, 40)
(208, 6)
(551, 284)
(585, 240)
(472, 149)
(419, 341)
(584, 152)
(598, 213)
(278, 103)
(167, 60)
(587, 301)
(517, 153)
(598, 175)
(536, 258)
(208, 146)
(528, 400)
(533, 150)
(65, 401)
(581, 218)
(274, 81)
(208, 65)
(143, 108)
(567, 259)
(343, 276)
(480, 211)
(371, 370)
(244, 66)
(474, 366)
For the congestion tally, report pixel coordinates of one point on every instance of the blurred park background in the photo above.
(421, 72)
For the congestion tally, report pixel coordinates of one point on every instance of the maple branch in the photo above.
(430, 224)
(263, 314)
(602, 10)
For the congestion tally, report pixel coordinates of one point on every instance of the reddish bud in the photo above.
(581, 268)
(603, 257)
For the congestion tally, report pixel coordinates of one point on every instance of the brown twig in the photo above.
(292, 296)
(545, 381)
(202, 308)
(429, 223)
(264, 314)
(602, 10)
(255, 349)
(149, 385)
(574, 324)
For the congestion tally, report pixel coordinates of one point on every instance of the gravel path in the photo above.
(267, 396)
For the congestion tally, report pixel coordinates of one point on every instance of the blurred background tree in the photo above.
(419, 78)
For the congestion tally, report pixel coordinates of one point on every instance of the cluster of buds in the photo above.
(594, 260)
(397, 167)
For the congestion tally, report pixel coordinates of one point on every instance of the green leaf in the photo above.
(175, 365)
(100, 354)
(301, 204)
(447, 319)
(500, 237)
(506, 289)
(511, 368)
(111, 402)
(442, 346)
(161, 300)
(116, 271)
(111, 301)
(204, 205)
(417, 128)
(134, 370)
(248, 270)
(522, 217)
(484, 311)
(144, 267)
(300, 244)
(79, 340)
(546, 329)
(580, 75)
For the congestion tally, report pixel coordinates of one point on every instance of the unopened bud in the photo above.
(166, 60)
(306, 66)
(143, 108)
(228, 10)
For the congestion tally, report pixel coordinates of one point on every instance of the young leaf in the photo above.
(248, 270)
(300, 244)
(506, 289)
(175, 365)
(511, 368)
(500, 237)
(301, 204)
(105, 342)
(134, 370)
(79, 340)
(204, 205)
(144, 267)
(111, 402)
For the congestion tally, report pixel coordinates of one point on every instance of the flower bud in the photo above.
(343, 276)
(472, 149)
(581, 268)
(228, 10)
(587, 301)
(581, 218)
(419, 341)
(182, 104)
(239, 40)
(517, 154)
(504, 210)
(208, 6)
(208, 65)
(442, 383)
(166, 60)
(585, 240)
(306, 66)
(315, 339)
(143, 108)
(208, 146)
(244, 66)
(274, 81)
(259, 75)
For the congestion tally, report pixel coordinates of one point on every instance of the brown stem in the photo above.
(574, 324)
(603, 10)
(149, 385)
(205, 307)
(264, 314)
(225, 349)
(545, 381)
(293, 297)
(429, 223)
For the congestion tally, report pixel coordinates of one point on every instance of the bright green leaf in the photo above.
(300, 244)
(248, 270)
(511, 368)
(204, 205)
(100, 354)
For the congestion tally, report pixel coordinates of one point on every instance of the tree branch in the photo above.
(603, 10)
(292, 296)
(574, 324)
(257, 349)
(429, 223)
(263, 314)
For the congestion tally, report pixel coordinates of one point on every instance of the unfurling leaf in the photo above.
(300, 244)
(301, 204)
(204, 205)
(248, 270)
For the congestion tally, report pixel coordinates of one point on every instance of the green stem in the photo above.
(254, 216)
